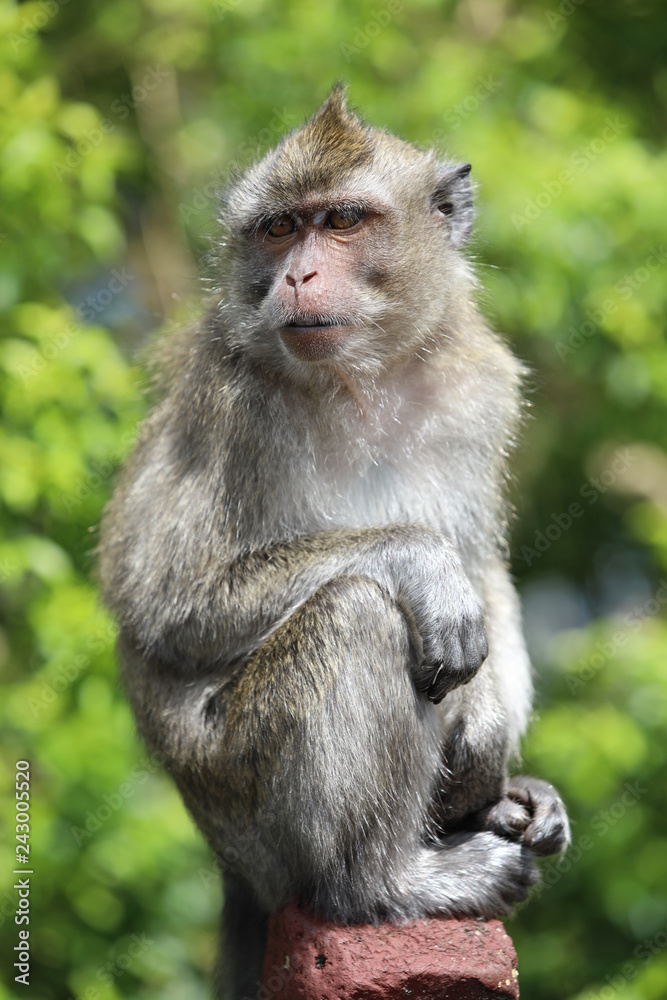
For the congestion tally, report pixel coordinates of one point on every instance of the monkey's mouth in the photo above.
(313, 338)
(313, 322)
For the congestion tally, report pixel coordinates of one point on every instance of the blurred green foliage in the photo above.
(116, 120)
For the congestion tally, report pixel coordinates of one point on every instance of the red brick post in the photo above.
(308, 958)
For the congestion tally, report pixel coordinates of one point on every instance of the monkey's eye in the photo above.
(282, 227)
(343, 218)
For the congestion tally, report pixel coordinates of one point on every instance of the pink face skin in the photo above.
(316, 254)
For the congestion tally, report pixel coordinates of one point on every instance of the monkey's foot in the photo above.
(531, 812)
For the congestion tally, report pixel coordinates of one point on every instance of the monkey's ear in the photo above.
(453, 199)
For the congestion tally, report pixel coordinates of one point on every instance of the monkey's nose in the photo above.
(293, 282)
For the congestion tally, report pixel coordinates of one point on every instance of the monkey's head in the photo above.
(345, 248)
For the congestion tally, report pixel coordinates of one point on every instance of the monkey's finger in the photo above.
(439, 685)
(549, 831)
(453, 656)
(423, 676)
(475, 651)
(530, 792)
(434, 681)
(506, 818)
(439, 676)
(456, 670)
(442, 645)
(451, 674)
(522, 795)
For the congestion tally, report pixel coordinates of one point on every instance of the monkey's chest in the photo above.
(378, 489)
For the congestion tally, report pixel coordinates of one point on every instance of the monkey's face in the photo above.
(325, 262)
(345, 245)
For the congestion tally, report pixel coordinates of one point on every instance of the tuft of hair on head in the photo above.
(320, 154)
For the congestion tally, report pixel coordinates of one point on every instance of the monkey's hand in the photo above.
(531, 812)
(450, 622)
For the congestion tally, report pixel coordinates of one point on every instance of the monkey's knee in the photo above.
(359, 611)
(367, 632)
(349, 632)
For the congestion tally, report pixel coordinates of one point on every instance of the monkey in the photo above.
(306, 552)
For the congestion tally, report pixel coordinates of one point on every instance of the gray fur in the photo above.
(306, 560)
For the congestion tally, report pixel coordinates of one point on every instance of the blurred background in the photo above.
(118, 121)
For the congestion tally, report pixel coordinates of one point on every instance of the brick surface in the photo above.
(308, 958)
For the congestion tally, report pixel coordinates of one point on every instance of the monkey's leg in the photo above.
(474, 793)
(483, 721)
(473, 771)
(489, 716)
(331, 755)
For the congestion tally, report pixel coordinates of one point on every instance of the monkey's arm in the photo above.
(192, 602)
